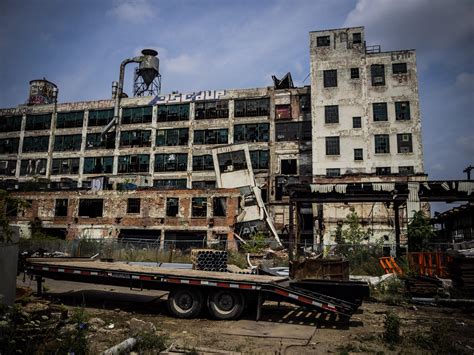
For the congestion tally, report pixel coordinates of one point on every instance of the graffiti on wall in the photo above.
(182, 98)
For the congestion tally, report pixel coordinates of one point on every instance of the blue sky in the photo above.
(240, 44)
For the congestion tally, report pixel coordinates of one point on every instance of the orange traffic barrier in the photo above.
(390, 266)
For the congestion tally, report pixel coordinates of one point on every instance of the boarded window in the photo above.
(332, 146)
(331, 114)
(377, 72)
(171, 162)
(380, 111)
(172, 206)
(133, 205)
(70, 119)
(402, 111)
(138, 163)
(60, 208)
(167, 113)
(137, 115)
(330, 78)
(211, 109)
(256, 132)
(382, 143)
(252, 107)
(404, 143)
(199, 207)
(91, 207)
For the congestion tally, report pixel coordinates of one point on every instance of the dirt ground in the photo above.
(281, 330)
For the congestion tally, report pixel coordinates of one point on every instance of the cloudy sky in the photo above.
(239, 44)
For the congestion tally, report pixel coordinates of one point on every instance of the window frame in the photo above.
(330, 78)
(382, 147)
(330, 144)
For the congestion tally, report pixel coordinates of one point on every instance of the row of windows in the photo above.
(379, 109)
(382, 170)
(93, 208)
(381, 145)
(325, 41)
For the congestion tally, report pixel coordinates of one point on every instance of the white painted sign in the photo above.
(182, 98)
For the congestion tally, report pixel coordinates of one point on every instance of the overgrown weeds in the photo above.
(392, 329)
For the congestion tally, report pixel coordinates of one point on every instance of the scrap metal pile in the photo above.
(209, 260)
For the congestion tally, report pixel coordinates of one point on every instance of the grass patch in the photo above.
(392, 328)
(150, 341)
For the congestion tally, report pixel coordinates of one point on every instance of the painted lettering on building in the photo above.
(182, 98)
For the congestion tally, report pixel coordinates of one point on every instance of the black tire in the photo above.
(185, 302)
(226, 304)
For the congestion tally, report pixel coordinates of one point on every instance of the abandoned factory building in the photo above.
(153, 175)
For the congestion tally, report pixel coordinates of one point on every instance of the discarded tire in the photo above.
(226, 304)
(185, 302)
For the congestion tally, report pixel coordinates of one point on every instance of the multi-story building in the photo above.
(358, 120)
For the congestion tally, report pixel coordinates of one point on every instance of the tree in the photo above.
(354, 233)
(8, 205)
(420, 232)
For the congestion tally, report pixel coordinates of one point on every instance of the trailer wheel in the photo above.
(185, 302)
(226, 304)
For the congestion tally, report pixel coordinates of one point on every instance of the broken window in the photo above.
(377, 72)
(332, 146)
(358, 154)
(33, 167)
(211, 109)
(252, 107)
(137, 138)
(10, 123)
(402, 111)
(330, 78)
(60, 208)
(98, 165)
(256, 132)
(170, 184)
(202, 162)
(172, 206)
(133, 205)
(199, 207)
(168, 113)
(137, 114)
(219, 206)
(91, 207)
(293, 131)
(404, 142)
(283, 111)
(356, 122)
(204, 184)
(260, 159)
(380, 111)
(331, 114)
(382, 143)
(211, 136)
(67, 142)
(100, 117)
(305, 103)
(281, 183)
(288, 167)
(383, 170)
(67, 166)
(171, 162)
(10, 145)
(323, 41)
(172, 137)
(406, 170)
(95, 141)
(36, 122)
(399, 68)
(332, 172)
(138, 163)
(70, 119)
(232, 161)
(357, 38)
(354, 73)
(35, 144)
(8, 167)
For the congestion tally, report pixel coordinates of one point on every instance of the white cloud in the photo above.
(184, 64)
(135, 12)
(465, 82)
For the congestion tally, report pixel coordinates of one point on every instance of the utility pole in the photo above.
(468, 171)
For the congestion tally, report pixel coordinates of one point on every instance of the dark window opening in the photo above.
(11, 209)
(283, 111)
(199, 207)
(10, 145)
(354, 73)
(323, 41)
(10, 123)
(35, 144)
(67, 166)
(385, 170)
(137, 138)
(170, 184)
(357, 38)
(219, 206)
(133, 205)
(377, 72)
(382, 144)
(203, 162)
(404, 142)
(70, 119)
(399, 68)
(171, 162)
(252, 107)
(380, 111)
(288, 167)
(402, 111)
(356, 122)
(95, 141)
(134, 163)
(406, 170)
(91, 208)
(98, 165)
(257, 132)
(281, 183)
(167, 113)
(293, 131)
(137, 115)
(172, 137)
(8, 167)
(232, 161)
(60, 209)
(204, 184)
(305, 103)
(330, 78)
(71, 142)
(37, 122)
(33, 167)
(211, 136)
(211, 109)
(100, 117)
(260, 159)
(332, 146)
(331, 114)
(333, 172)
(358, 154)
(172, 206)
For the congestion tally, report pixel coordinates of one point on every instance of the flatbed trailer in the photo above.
(225, 294)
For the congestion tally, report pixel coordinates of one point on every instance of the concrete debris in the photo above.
(372, 280)
(138, 326)
(121, 348)
(96, 323)
(35, 307)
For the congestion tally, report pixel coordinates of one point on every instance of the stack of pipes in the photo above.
(209, 260)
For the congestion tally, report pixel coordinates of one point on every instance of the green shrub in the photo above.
(392, 328)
